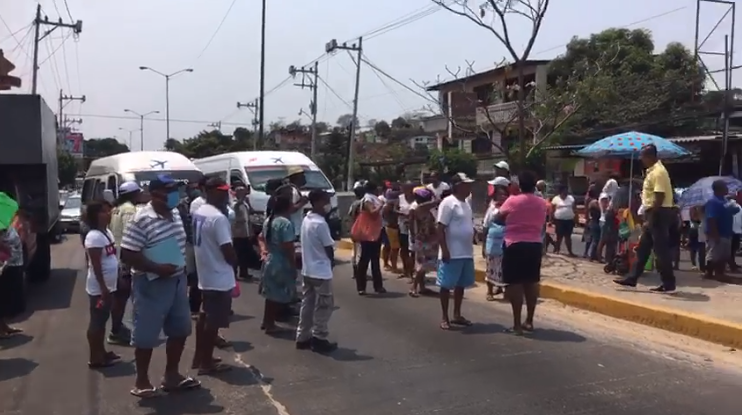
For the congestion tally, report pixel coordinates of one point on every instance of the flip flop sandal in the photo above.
(445, 325)
(5, 336)
(222, 343)
(413, 294)
(427, 291)
(185, 384)
(513, 331)
(461, 321)
(527, 327)
(101, 365)
(13, 330)
(147, 393)
(490, 297)
(217, 368)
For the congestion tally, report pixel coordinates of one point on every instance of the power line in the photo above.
(393, 92)
(67, 7)
(646, 19)
(126, 117)
(13, 34)
(376, 68)
(55, 50)
(335, 92)
(216, 31)
(410, 20)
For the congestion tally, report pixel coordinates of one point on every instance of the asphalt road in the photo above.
(393, 360)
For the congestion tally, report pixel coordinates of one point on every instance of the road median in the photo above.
(701, 309)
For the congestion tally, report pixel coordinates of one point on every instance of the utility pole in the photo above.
(63, 100)
(216, 125)
(38, 37)
(312, 85)
(261, 100)
(333, 46)
(253, 107)
(167, 77)
(71, 121)
(128, 131)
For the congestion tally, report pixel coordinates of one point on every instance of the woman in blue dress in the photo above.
(278, 283)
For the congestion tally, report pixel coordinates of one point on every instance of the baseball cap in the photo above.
(129, 187)
(316, 195)
(216, 183)
(359, 184)
(502, 165)
(162, 181)
(460, 178)
(499, 181)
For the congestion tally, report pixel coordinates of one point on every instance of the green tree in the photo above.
(382, 128)
(453, 161)
(345, 120)
(639, 89)
(103, 147)
(67, 168)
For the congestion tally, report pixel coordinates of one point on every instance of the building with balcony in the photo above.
(484, 103)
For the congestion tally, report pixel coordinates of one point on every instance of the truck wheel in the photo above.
(39, 270)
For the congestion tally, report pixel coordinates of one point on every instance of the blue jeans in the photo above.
(592, 239)
(159, 305)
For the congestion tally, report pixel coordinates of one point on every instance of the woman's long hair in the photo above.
(281, 205)
(92, 213)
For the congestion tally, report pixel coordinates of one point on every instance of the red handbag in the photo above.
(366, 228)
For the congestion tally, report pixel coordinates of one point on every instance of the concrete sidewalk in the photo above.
(706, 310)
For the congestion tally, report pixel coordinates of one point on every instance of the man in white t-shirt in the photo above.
(318, 257)
(215, 262)
(437, 186)
(456, 235)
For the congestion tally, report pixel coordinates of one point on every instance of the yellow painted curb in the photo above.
(344, 244)
(693, 325)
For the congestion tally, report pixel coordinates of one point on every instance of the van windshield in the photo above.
(259, 176)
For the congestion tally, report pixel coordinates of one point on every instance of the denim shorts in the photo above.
(159, 305)
(456, 273)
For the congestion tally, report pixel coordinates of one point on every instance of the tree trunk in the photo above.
(521, 116)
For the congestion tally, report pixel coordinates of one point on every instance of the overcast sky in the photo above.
(169, 35)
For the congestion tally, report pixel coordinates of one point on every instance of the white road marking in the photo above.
(264, 386)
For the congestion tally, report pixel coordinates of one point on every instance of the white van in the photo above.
(107, 173)
(256, 168)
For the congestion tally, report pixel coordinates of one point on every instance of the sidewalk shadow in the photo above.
(555, 335)
(480, 328)
(121, 369)
(240, 346)
(55, 294)
(342, 354)
(240, 376)
(198, 401)
(16, 340)
(677, 295)
(387, 295)
(16, 367)
(236, 318)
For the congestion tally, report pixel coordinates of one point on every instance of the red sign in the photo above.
(73, 143)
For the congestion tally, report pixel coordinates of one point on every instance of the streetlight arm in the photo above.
(179, 72)
(150, 113)
(133, 112)
(147, 68)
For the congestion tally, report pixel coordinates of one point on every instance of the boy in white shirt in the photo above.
(215, 261)
(456, 235)
(317, 252)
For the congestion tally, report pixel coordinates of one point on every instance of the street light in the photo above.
(141, 125)
(128, 131)
(167, 91)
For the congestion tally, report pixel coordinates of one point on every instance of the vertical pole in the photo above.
(261, 100)
(37, 27)
(130, 143)
(727, 104)
(255, 124)
(698, 28)
(314, 111)
(167, 107)
(141, 133)
(61, 108)
(351, 145)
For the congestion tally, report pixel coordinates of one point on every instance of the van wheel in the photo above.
(39, 270)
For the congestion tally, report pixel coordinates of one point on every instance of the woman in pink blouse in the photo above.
(524, 216)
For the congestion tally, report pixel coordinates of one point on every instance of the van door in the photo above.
(236, 176)
(112, 185)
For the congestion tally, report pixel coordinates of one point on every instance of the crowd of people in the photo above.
(179, 259)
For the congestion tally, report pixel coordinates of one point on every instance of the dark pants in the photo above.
(247, 258)
(194, 295)
(656, 237)
(370, 254)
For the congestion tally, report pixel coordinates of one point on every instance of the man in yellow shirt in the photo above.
(659, 216)
(126, 207)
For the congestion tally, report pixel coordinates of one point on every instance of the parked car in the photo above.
(70, 217)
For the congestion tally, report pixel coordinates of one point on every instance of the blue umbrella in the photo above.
(629, 145)
(700, 192)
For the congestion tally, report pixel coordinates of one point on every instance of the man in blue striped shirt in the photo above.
(159, 289)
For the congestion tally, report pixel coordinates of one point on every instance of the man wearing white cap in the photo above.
(129, 193)
(502, 169)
